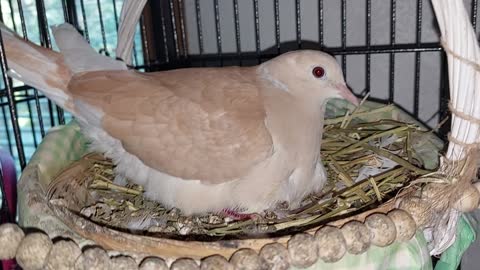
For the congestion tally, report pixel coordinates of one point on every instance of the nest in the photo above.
(368, 162)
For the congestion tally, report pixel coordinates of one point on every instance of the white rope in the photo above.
(129, 17)
(460, 43)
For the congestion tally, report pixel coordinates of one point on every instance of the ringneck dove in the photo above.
(199, 139)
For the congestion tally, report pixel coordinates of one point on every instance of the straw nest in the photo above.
(367, 163)
(378, 192)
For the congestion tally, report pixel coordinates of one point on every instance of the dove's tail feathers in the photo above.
(79, 56)
(36, 66)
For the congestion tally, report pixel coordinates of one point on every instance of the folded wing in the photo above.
(196, 124)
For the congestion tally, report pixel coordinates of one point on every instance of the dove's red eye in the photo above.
(318, 72)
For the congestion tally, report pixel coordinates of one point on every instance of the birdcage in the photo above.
(388, 50)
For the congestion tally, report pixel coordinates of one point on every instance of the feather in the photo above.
(36, 66)
(77, 53)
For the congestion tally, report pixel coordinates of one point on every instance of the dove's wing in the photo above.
(204, 124)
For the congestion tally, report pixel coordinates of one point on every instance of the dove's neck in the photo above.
(297, 125)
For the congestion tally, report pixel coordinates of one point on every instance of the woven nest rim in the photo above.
(118, 240)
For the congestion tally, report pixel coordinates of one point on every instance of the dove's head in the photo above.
(307, 74)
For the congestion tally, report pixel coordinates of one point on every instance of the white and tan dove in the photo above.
(199, 139)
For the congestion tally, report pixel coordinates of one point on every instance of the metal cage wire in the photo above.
(164, 43)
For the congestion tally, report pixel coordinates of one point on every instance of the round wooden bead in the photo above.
(275, 256)
(10, 237)
(123, 263)
(468, 199)
(93, 259)
(331, 244)
(33, 251)
(184, 264)
(153, 263)
(418, 209)
(431, 192)
(247, 259)
(382, 229)
(357, 237)
(63, 255)
(404, 224)
(302, 250)
(215, 262)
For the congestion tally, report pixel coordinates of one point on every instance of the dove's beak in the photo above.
(347, 94)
